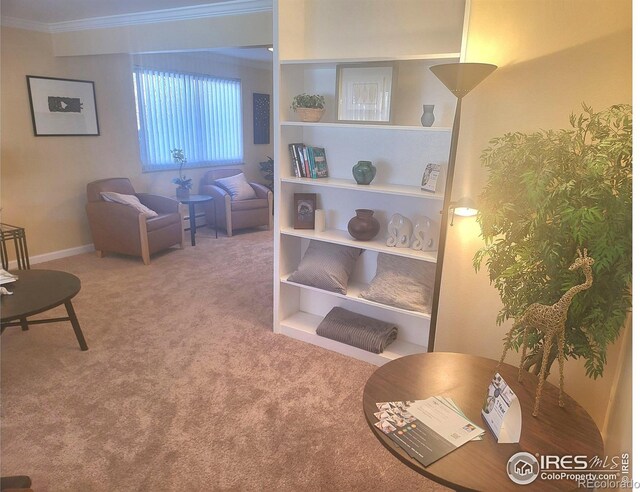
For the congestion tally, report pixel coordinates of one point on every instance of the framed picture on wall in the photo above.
(364, 91)
(62, 107)
(304, 206)
(261, 118)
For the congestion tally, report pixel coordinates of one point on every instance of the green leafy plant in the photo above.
(266, 168)
(305, 100)
(182, 181)
(547, 194)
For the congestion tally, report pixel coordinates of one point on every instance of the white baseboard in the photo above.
(55, 255)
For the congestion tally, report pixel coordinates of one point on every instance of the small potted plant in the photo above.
(184, 183)
(308, 107)
(266, 168)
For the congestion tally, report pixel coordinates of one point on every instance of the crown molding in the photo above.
(231, 7)
(24, 24)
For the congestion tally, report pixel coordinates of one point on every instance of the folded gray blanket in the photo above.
(357, 330)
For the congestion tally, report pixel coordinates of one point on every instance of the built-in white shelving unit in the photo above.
(312, 38)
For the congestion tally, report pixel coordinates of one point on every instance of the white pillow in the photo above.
(237, 187)
(131, 200)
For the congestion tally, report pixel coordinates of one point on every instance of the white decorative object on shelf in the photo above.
(424, 235)
(399, 230)
(320, 220)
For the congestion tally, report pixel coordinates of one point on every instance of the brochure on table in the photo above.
(426, 429)
(502, 412)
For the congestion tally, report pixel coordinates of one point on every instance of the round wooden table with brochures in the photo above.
(482, 465)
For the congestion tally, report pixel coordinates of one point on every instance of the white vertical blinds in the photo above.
(197, 113)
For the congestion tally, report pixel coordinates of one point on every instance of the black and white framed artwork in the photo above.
(62, 107)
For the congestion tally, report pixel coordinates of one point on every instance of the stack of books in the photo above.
(308, 161)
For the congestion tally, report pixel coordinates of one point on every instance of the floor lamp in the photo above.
(460, 79)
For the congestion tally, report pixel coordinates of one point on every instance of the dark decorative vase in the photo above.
(182, 193)
(427, 116)
(364, 226)
(364, 172)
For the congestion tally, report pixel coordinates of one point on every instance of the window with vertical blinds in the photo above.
(197, 113)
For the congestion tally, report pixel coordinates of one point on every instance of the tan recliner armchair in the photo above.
(235, 214)
(122, 229)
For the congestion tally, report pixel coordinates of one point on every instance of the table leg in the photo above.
(192, 222)
(24, 324)
(76, 326)
(215, 217)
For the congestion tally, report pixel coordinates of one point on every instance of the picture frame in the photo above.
(364, 92)
(261, 118)
(430, 177)
(304, 206)
(62, 107)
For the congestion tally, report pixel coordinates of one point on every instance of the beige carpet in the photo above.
(185, 386)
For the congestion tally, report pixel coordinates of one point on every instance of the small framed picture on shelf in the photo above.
(364, 92)
(304, 205)
(430, 178)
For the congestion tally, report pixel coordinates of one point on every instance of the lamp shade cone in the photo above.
(465, 207)
(460, 78)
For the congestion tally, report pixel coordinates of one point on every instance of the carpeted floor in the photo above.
(185, 386)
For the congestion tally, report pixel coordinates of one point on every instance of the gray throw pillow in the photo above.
(402, 282)
(326, 266)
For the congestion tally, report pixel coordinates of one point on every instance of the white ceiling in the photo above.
(52, 11)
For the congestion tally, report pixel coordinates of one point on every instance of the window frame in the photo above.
(149, 167)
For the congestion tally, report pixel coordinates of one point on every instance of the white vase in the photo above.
(424, 235)
(399, 231)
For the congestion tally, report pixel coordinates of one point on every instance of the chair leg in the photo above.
(144, 240)
(227, 214)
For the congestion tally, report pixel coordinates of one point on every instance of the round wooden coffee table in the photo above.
(481, 465)
(37, 291)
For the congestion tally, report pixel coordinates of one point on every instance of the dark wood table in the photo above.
(481, 465)
(37, 291)
(191, 201)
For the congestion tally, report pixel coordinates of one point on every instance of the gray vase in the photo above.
(427, 115)
(364, 172)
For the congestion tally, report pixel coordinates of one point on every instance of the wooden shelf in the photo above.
(338, 236)
(353, 294)
(349, 184)
(302, 326)
(368, 126)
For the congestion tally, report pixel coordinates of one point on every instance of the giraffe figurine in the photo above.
(550, 321)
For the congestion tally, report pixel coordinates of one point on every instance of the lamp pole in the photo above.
(460, 79)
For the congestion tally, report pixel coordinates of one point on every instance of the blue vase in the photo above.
(364, 172)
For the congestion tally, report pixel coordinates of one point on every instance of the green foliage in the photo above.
(547, 194)
(305, 100)
(266, 168)
(178, 157)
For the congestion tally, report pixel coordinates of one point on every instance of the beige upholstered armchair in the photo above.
(119, 228)
(236, 205)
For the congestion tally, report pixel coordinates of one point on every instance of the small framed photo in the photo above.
(304, 205)
(62, 107)
(430, 178)
(363, 92)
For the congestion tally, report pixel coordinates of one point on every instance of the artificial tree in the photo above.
(549, 193)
